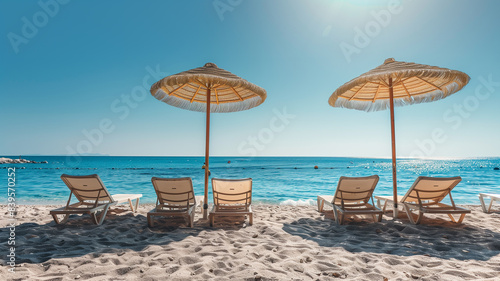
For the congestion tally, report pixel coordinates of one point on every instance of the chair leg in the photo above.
(250, 219)
(321, 204)
(94, 218)
(410, 214)
(483, 206)
(342, 216)
(460, 219)
(379, 204)
(56, 219)
(339, 215)
(131, 206)
(101, 217)
(335, 215)
(420, 217)
(64, 220)
(380, 217)
(136, 205)
(452, 218)
(211, 219)
(150, 220)
(190, 218)
(99, 220)
(201, 206)
(491, 204)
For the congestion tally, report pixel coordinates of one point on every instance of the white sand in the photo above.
(285, 243)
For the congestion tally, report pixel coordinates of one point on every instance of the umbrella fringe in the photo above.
(214, 107)
(380, 104)
(402, 69)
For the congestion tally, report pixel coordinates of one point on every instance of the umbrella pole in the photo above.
(207, 171)
(393, 139)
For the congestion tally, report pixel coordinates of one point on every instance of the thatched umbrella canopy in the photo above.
(188, 90)
(397, 83)
(208, 89)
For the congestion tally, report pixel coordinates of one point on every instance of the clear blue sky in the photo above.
(66, 67)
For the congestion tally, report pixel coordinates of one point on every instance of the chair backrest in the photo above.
(232, 193)
(88, 189)
(431, 190)
(174, 193)
(355, 191)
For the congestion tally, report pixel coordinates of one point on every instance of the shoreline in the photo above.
(254, 203)
(285, 242)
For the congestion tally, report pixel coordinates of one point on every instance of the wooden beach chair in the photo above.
(493, 198)
(232, 197)
(93, 198)
(175, 198)
(352, 198)
(425, 196)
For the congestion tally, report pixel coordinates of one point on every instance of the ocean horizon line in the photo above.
(266, 156)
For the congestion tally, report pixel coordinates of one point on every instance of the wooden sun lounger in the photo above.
(93, 198)
(352, 198)
(493, 198)
(425, 196)
(175, 198)
(232, 197)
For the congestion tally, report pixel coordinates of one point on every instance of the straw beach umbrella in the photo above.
(208, 89)
(396, 84)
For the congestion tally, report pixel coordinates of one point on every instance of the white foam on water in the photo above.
(300, 202)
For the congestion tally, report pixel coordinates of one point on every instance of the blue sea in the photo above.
(276, 180)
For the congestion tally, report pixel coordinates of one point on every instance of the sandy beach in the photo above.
(284, 243)
(258, 108)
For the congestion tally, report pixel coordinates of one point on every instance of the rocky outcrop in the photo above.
(4, 160)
